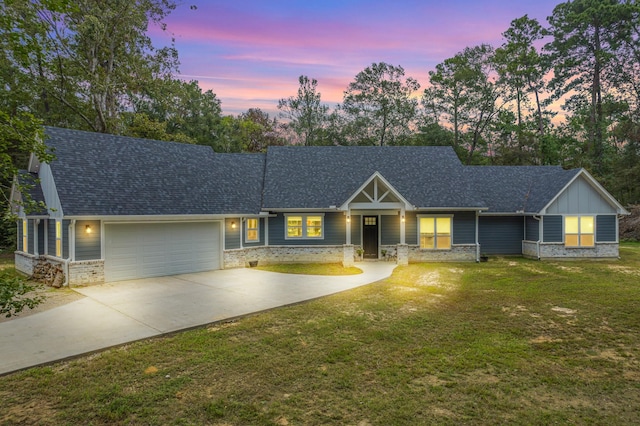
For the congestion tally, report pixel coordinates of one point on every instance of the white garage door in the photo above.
(156, 249)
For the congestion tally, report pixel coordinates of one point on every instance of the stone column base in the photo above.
(348, 255)
(403, 254)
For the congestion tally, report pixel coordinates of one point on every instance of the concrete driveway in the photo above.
(117, 313)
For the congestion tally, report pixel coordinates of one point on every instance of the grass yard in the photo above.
(312, 269)
(511, 341)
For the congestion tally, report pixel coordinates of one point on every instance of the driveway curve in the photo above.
(117, 313)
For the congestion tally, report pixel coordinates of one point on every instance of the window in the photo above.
(435, 232)
(252, 234)
(58, 238)
(304, 226)
(25, 240)
(579, 231)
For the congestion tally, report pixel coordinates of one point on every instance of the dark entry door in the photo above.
(370, 237)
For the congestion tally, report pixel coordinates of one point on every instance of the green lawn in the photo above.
(312, 269)
(510, 341)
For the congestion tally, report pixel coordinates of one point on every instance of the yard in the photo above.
(509, 341)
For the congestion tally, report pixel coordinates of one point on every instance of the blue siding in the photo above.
(606, 228)
(552, 229)
(232, 236)
(65, 238)
(411, 228)
(30, 230)
(531, 229)
(389, 229)
(19, 235)
(41, 231)
(51, 239)
(356, 229)
(87, 245)
(334, 231)
(464, 228)
(501, 234)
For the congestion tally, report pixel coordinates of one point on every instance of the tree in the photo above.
(306, 112)
(13, 289)
(188, 113)
(522, 71)
(82, 59)
(587, 35)
(379, 107)
(463, 96)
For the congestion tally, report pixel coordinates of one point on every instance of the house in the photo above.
(121, 208)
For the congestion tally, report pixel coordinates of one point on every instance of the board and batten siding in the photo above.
(334, 231)
(580, 198)
(88, 245)
(552, 229)
(501, 234)
(531, 229)
(606, 229)
(19, 233)
(65, 238)
(411, 228)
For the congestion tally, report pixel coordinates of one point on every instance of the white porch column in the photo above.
(348, 227)
(402, 226)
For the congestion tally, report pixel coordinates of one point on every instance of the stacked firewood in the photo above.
(48, 273)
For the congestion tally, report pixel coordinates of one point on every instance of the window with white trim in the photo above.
(579, 231)
(25, 239)
(252, 230)
(58, 238)
(434, 232)
(301, 226)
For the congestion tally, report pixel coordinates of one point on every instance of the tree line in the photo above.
(565, 92)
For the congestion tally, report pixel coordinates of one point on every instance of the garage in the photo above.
(155, 249)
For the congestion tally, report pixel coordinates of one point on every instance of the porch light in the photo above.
(233, 225)
(88, 229)
(402, 218)
(348, 219)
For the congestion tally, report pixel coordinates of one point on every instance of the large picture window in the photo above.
(304, 226)
(435, 232)
(252, 231)
(579, 231)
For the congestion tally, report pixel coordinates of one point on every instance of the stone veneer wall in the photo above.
(24, 262)
(530, 249)
(559, 251)
(86, 272)
(457, 253)
(283, 254)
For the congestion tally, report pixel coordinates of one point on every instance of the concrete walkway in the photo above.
(117, 313)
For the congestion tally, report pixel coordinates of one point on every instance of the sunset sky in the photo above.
(251, 52)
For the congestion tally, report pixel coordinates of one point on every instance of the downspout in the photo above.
(477, 236)
(539, 219)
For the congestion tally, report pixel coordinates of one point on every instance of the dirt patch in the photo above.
(630, 225)
(53, 298)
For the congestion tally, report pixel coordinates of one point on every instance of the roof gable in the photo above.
(376, 192)
(583, 194)
(320, 177)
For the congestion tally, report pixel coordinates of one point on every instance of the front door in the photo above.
(370, 237)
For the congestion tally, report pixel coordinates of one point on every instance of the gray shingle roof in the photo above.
(508, 189)
(319, 177)
(29, 181)
(101, 174)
